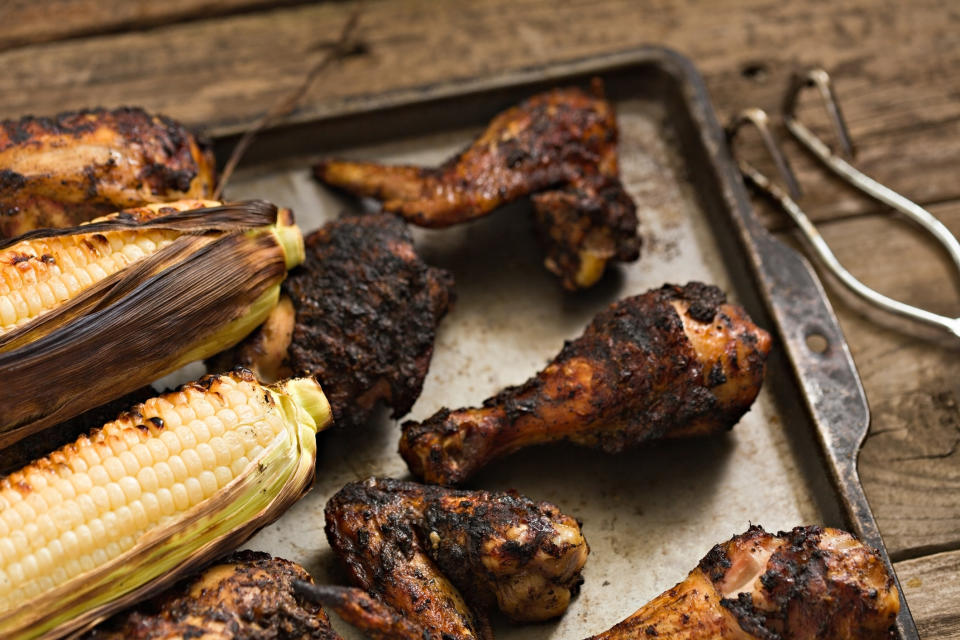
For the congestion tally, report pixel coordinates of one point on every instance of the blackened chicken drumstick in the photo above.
(673, 362)
(559, 146)
(804, 584)
(437, 559)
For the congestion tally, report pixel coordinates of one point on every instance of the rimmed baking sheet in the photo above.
(649, 514)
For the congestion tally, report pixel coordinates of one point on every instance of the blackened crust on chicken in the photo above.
(810, 583)
(677, 361)
(812, 587)
(444, 557)
(559, 146)
(367, 308)
(246, 596)
(376, 619)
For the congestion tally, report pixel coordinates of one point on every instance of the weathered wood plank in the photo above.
(34, 21)
(910, 463)
(895, 64)
(932, 587)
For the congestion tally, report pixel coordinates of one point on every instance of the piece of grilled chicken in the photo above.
(673, 362)
(804, 584)
(560, 146)
(61, 171)
(441, 558)
(248, 595)
(360, 314)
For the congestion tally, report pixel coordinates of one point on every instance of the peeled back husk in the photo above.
(212, 283)
(278, 471)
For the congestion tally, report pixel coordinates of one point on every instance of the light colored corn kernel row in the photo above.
(39, 275)
(90, 501)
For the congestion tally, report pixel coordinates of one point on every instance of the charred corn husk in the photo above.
(65, 170)
(170, 484)
(92, 312)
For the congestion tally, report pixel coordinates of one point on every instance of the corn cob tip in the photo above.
(290, 238)
(309, 398)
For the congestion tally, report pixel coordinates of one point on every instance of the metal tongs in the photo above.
(819, 79)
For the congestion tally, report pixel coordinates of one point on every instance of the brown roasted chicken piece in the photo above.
(673, 362)
(61, 171)
(248, 595)
(441, 558)
(806, 584)
(559, 146)
(360, 315)
(377, 620)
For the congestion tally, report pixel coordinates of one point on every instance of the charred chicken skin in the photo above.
(559, 146)
(806, 584)
(441, 558)
(61, 171)
(249, 595)
(360, 315)
(673, 362)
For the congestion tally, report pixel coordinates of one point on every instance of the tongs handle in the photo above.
(759, 119)
(819, 79)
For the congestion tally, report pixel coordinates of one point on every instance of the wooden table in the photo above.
(218, 64)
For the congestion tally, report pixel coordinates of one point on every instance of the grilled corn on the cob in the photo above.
(166, 486)
(65, 170)
(155, 287)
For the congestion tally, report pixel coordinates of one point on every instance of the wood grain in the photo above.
(895, 65)
(33, 21)
(932, 587)
(910, 463)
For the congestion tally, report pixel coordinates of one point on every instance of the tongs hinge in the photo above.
(787, 198)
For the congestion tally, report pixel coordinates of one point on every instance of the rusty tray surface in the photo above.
(651, 513)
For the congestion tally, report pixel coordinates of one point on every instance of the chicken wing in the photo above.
(249, 595)
(803, 584)
(428, 551)
(673, 362)
(361, 316)
(61, 171)
(559, 145)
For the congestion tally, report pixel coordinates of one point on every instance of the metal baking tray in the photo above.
(651, 513)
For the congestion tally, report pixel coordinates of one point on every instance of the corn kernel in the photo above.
(223, 475)
(115, 495)
(165, 500)
(151, 507)
(208, 459)
(180, 497)
(178, 468)
(114, 468)
(131, 488)
(194, 490)
(147, 479)
(158, 450)
(187, 440)
(192, 462)
(208, 483)
(171, 442)
(142, 455)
